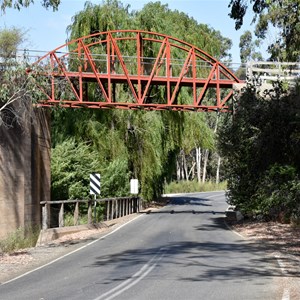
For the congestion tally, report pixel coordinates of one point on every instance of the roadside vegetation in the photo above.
(156, 148)
(253, 154)
(193, 186)
(260, 145)
(20, 239)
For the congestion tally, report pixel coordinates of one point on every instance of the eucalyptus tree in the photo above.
(197, 135)
(18, 4)
(282, 15)
(248, 47)
(17, 90)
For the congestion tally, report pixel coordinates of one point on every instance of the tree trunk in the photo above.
(178, 169)
(198, 163)
(206, 152)
(185, 166)
(192, 171)
(218, 170)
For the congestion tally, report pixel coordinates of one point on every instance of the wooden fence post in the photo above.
(107, 210)
(90, 220)
(61, 222)
(45, 216)
(76, 214)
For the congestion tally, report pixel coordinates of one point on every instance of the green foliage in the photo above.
(18, 4)
(281, 14)
(193, 186)
(69, 218)
(129, 144)
(111, 15)
(20, 239)
(10, 40)
(71, 164)
(197, 133)
(248, 48)
(115, 179)
(261, 145)
(157, 17)
(278, 196)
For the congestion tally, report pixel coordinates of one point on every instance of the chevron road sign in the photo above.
(95, 184)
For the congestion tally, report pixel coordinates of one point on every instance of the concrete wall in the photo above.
(24, 169)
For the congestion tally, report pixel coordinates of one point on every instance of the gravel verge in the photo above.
(22, 261)
(282, 241)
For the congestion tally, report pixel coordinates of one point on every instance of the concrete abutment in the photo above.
(24, 168)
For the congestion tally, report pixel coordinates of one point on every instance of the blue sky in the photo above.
(47, 29)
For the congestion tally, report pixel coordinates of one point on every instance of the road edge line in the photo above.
(74, 251)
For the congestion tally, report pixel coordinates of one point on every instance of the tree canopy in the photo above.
(283, 15)
(143, 145)
(260, 144)
(18, 4)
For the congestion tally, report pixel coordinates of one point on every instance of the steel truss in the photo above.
(133, 69)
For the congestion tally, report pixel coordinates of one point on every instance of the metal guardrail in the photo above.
(113, 208)
(268, 72)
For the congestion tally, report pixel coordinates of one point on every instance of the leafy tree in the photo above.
(17, 90)
(282, 14)
(135, 144)
(18, 4)
(71, 164)
(158, 17)
(248, 48)
(10, 40)
(278, 196)
(259, 143)
(111, 15)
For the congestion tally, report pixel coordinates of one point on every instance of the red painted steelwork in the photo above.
(133, 69)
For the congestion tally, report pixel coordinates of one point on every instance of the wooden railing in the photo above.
(113, 208)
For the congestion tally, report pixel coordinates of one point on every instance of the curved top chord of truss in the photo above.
(133, 69)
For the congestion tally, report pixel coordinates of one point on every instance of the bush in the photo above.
(260, 146)
(20, 239)
(193, 186)
(278, 196)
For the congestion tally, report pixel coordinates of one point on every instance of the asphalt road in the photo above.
(183, 251)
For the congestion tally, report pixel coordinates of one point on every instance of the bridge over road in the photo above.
(156, 70)
(124, 69)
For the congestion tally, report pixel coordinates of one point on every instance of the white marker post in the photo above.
(134, 186)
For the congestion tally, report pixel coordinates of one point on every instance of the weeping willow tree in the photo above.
(134, 144)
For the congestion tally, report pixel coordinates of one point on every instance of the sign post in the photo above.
(134, 186)
(95, 189)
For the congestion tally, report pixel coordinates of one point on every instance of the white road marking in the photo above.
(286, 291)
(61, 257)
(286, 294)
(135, 278)
(281, 264)
(191, 194)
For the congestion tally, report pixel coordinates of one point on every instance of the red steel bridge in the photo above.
(133, 69)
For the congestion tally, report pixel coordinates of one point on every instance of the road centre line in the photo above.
(135, 278)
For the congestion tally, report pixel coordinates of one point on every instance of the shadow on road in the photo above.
(208, 261)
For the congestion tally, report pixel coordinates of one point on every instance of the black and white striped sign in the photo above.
(95, 184)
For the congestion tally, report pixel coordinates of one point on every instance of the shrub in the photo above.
(193, 186)
(20, 239)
